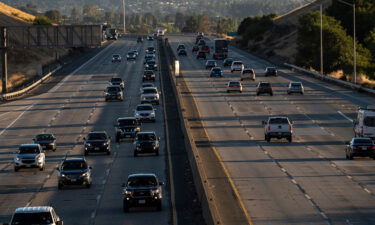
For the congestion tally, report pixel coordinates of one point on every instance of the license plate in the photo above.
(96, 148)
(364, 148)
(142, 201)
(44, 147)
(73, 180)
(279, 133)
(128, 135)
(28, 165)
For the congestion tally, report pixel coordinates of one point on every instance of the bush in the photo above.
(42, 20)
(252, 28)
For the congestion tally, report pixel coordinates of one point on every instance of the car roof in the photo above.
(264, 82)
(117, 78)
(271, 67)
(29, 145)
(142, 175)
(150, 88)
(74, 159)
(118, 86)
(248, 69)
(146, 132)
(144, 105)
(361, 138)
(97, 132)
(237, 61)
(126, 118)
(33, 209)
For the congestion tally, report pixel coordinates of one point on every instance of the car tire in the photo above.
(16, 169)
(117, 138)
(88, 185)
(290, 139)
(159, 206)
(135, 154)
(227, 91)
(125, 206)
(157, 152)
(350, 157)
(54, 149)
(154, 120)
(41, 168)
(271, 94)
(268, 139)
(86, 153)
(108, 152)
(301, 93)
(240, 91)
(60, 186)
(241, 79)
(257, 94)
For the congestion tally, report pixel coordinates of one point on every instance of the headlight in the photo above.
(85, 174)
(155, 191)
(88, 144)
(126, 192)
(62, 175)
(105, 143)
(17, 159)
(138, 145)
(106, 93)
(137, 114)
(152, 113)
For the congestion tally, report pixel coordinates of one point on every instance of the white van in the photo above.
(364, 124)
(248, 74)
(35, 215)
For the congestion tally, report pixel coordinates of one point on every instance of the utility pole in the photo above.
(321, 39)
(123, 7)
(4, 77)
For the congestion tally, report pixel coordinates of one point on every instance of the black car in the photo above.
(195, 48)
(180, 46)
(201, 42)
(131, 56)
(151, 50)
(139, 39)
(74, 171)
(210, 64)
(127, 127)
(146, 142)
(198, 38)
(271, 71)
(47, 141)
(182, 52)
(228, 62)
(151, 65)
(97, 141)
(114, 92)
(150, 38)
(142, 190)
(264, 88)
(363, 147)
(117, 81)
(148, 75)
(216, 72)
(201, 55)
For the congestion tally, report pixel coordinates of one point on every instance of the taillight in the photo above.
(269, 127)
(270, 86)
(373, 147)
(354, 147)
(362, 131)
(290, 128)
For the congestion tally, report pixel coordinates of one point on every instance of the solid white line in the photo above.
(342, 114)
(19, 116)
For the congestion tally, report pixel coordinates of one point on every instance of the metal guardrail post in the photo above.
(4, 56)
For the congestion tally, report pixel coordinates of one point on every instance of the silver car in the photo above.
(234, 85)
(145, 112)
(28, 156)
(295, 87)
(150, 95)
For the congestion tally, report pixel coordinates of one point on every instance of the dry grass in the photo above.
(15, 13)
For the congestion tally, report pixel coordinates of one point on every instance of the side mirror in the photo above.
(263, 122)
(90, 167)
(161, 183)
(84, 139)
(347, 142)
(58, 168)
(123, 185)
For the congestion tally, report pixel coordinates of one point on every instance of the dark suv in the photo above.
(117, 81)
(146, 142)
(151, 65)
(201, 55)
(271, 71)
(148, 75)
(127, 127)
(114, 92)
(264, 87)
(142, 190)
(97, 141)
(74, 171)
(47, 141)
(364, 147)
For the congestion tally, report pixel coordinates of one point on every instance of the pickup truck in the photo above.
(278, 127)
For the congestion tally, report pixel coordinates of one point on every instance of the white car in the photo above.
(36, 215)
(144, 85)
(150, 95)
(234, 85)
(145, 112)
(278, 127)
(237, 66)
(248, 74)
(295, 87)
(116, 58)
(364, 124)
(28, 156)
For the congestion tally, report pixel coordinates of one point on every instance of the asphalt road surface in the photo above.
(307, 181)
(70, 110)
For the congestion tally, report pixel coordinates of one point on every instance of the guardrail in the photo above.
(11, 95)
(331, 79)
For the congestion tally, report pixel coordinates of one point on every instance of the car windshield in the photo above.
(181, 46)
(151, 49)
(144, 108)
(29, 150)
(113, 89)
(271, 69)
(131, 53)
(369, 121)
(151, 62)
(237, 63)
(279, 121)
(147, 85)
(74, 165)
(296, 85)
(130, 122)
(39, 218)
(142, 181)
(97, 136)
(228, 60)
(148, 72)
(366, 141)
(116, 56)
(248, 71)
(216, 70)
(211, 62)
(265, 84)
(44, 137)
(146, 136)
(116, 80)
(150, 91)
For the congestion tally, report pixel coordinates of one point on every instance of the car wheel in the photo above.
(16, 169)
(240, 91)
(268, 139)
(54, 149)
(41, 168)
(117, 138)
(290, 139)
(301, 93)
(108, 152)
(346, 156)
(159, 206)
(86, 153)
(60, 186)
(157, 152)
(350, 156)
(271, 94)
(257, 94)
(88, 185)
(106, 100)
(241, 79)
(125, 206)
(154, 120)
(135, 154)
(227, 91)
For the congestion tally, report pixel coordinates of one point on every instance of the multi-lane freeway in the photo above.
(71, 109)
(308, 181)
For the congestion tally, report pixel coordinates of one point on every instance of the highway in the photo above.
(307, 181)
(70, 110)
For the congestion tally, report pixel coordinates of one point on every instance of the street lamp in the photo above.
(123, 7)
(354, 39)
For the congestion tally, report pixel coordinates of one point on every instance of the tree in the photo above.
(42, 20)
(53, 15)
(337, 45)
(74, 15)
(179, 20)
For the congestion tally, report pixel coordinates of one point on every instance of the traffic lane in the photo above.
(126, 164)
(20, 202)
(232, 139)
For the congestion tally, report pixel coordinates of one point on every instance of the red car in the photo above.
(195, 48)
(205, 49)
